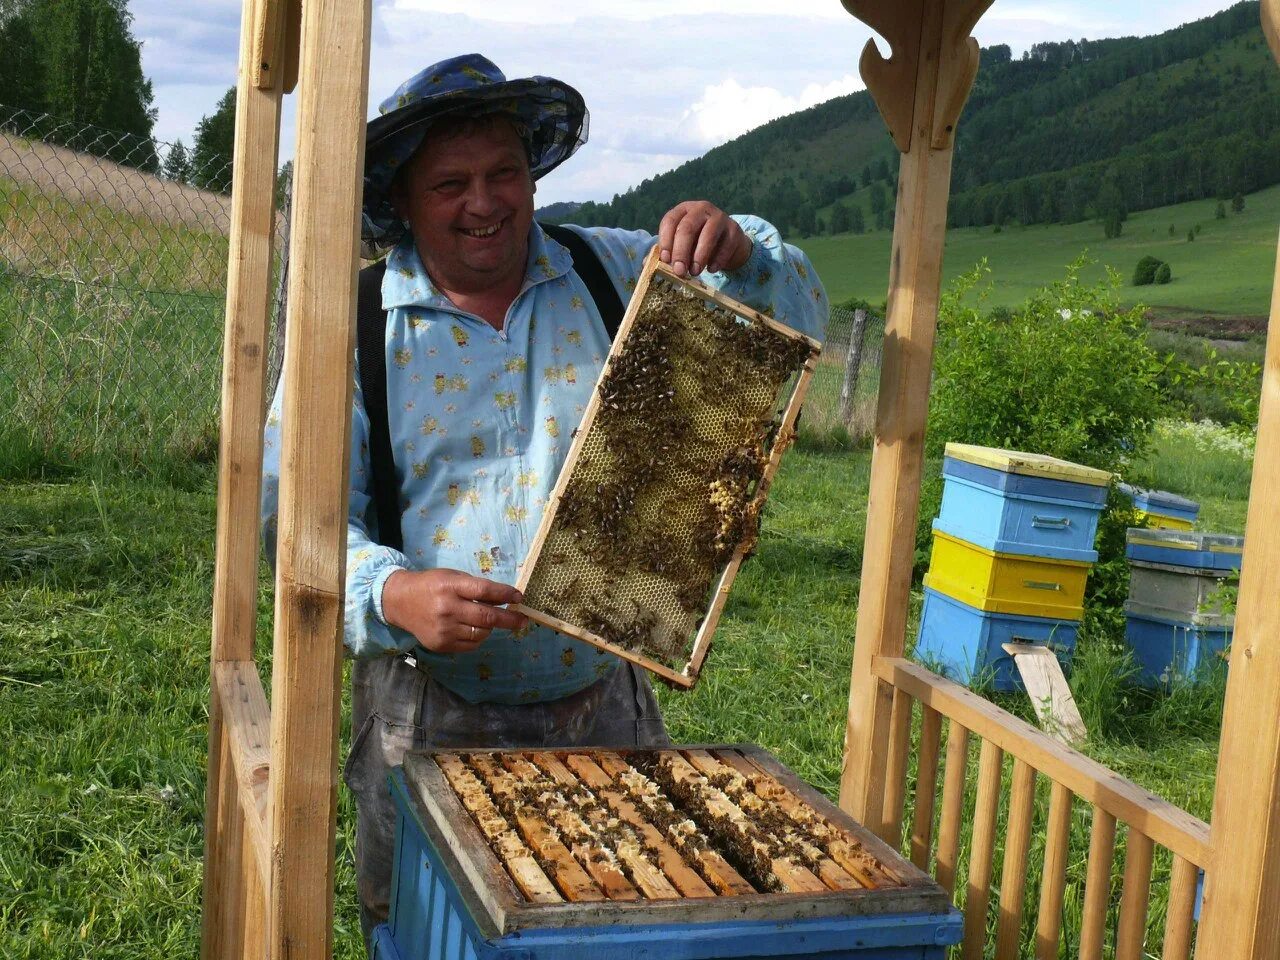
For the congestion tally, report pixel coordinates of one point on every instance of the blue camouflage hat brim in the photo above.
(550, 116)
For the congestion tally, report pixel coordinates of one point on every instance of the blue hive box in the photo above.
(452, 899)
(1021, 503)
(966, 644)
(1184, 548)
(1163, 509)
(1169, 651)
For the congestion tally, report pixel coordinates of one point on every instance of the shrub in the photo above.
(1164, 274)
(1069, 373)
(1145, 272)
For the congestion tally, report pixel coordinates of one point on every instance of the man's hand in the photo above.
(697, 235)
(447, 610)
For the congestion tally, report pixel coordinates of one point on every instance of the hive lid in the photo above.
(1028, 464)
(1158, 498)
(1185, 540)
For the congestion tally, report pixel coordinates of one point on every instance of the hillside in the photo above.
(1222, 279)
(1070, 132)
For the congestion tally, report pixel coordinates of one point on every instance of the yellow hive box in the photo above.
(1006, 582)
(1162, 521)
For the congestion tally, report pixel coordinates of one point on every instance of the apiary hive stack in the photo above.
(1175, 623)
(1012, 550)
(1161, 510)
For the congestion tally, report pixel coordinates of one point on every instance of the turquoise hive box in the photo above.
(461, 890)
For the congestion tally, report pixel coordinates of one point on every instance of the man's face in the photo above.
(468, 198)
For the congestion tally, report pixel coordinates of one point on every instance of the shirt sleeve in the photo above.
(369, 563)
(777, 278)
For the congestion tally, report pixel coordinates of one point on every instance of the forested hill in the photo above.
(1069, 131)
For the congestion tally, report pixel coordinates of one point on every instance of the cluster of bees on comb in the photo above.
(666, 483)
(654, 825)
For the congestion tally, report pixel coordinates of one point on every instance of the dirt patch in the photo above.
(1211, 326)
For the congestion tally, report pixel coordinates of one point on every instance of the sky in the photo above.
(665, 81)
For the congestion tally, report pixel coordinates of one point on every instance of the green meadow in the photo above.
(1226, 270)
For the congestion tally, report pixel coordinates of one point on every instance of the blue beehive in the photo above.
(1169, 649)
(1184, 548)
(1041, 515)
(453, 898)
(966, 644)
(1163, 510)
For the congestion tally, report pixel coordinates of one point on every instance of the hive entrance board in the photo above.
(661, 491)
(557, 838)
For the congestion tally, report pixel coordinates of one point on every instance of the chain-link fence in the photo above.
(112, 288)
(113, 272)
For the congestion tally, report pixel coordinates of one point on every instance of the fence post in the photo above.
(852, 366)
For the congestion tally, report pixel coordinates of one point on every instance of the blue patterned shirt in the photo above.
(480, 424)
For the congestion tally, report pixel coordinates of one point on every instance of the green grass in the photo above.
(1227, 270)
(104, 624)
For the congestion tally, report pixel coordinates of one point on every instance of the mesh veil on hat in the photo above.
(549, 115)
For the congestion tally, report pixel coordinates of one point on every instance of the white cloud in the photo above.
(729, 109)
(568, 11)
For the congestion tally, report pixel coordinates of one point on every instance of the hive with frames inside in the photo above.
(660, 496)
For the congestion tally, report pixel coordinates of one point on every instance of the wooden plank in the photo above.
(960, 61)
(268, 42)
(893, 501)
(895, 787)
(1132, 930)
(243, 408)
(728, 817)
(1170, 827)
(977, 899)
(684, 879)
(926, 786)
(842, 847)
(1181, 914)
(1017, 846)
(1050, 695)
(949, 824)
(518, 859)
(1053, 883)
(755, 802)
(247, 720)
(562, 867)
(578, 825)
(1097, 885)
(315, 443)
(892, 81)
(255, 901)
(1241, 916)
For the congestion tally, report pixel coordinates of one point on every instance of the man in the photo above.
(493, 345)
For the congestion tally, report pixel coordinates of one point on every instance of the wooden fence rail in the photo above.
(1013, 758)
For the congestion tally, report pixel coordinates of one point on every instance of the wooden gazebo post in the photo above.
(1241, 917)
(272, 811)
(920, 90)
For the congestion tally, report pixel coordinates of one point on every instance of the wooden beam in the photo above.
(1241, 913)
(244, 370)
(247, 721)
(315, 441)
(915, 278)
(1171, 827)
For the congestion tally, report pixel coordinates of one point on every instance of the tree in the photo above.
(177, 164)
(93, 73)
(1221, 212)
(1145, 273)
(1164, 274)
(215, 138)
(841, 222)
(857, 222)
(1237, 203)
(284, 185)
(1111, 208)
(21, 67)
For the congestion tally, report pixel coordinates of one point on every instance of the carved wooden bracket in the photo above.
(276, 43)
(1271, 25)
(893, 82)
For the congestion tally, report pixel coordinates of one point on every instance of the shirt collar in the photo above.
(406, 283)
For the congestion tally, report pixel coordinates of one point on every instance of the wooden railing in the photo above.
(936, 827)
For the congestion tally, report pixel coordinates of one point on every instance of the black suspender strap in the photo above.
(587, 265)
(371, 357)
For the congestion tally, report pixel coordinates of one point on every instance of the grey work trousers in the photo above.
(397, 708)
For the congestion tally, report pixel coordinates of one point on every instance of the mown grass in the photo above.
(104, 620)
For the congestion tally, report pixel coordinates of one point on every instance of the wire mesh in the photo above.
(842, 396)
(113, 273)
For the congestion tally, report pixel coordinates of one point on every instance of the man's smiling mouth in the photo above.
(484, 231)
